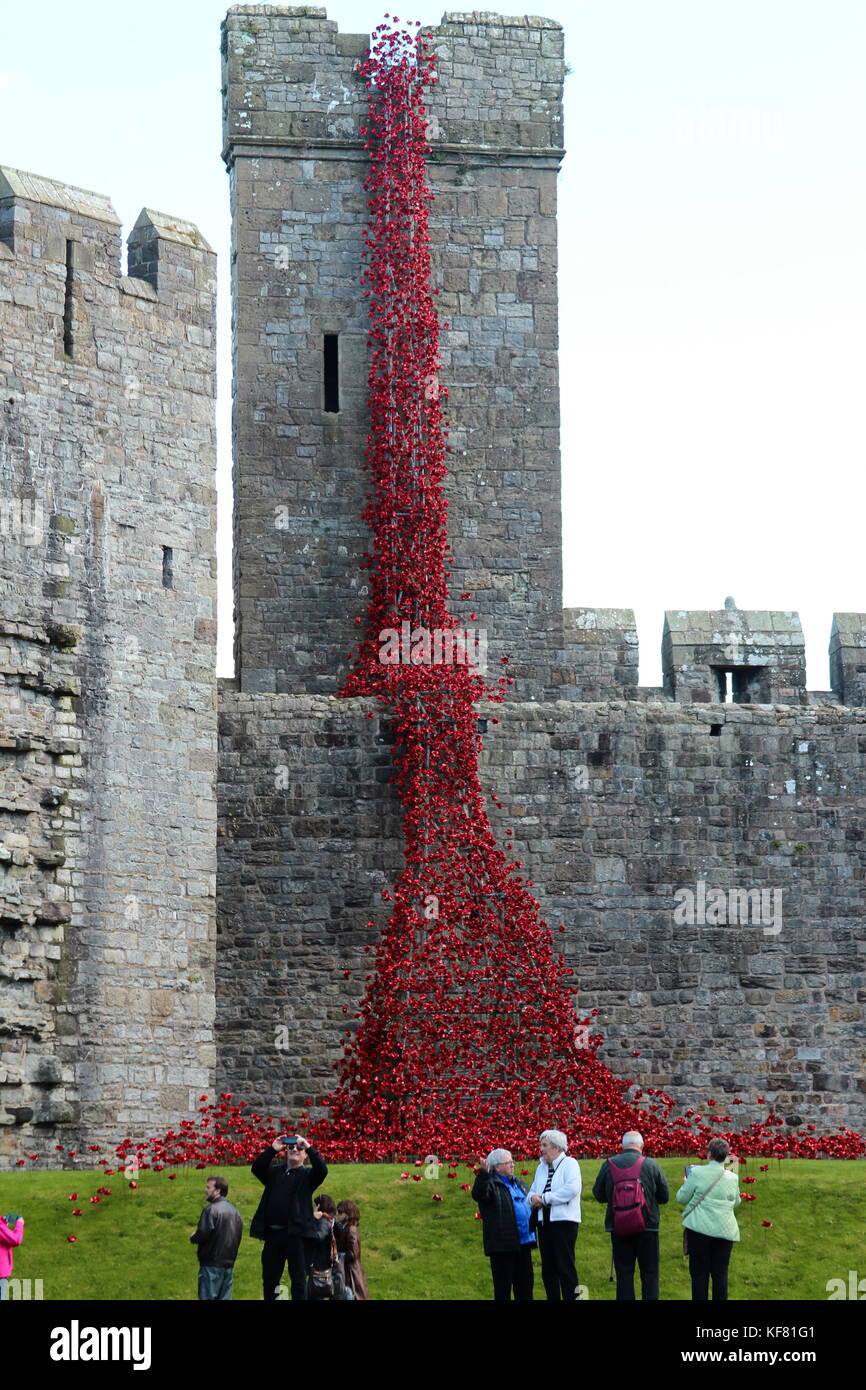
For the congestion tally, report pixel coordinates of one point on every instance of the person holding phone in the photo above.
(284, 1218)
(11, 1234)
(710, 1195)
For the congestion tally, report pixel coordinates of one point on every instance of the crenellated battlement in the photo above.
(727, 655)
(66, 242)
(289, 79)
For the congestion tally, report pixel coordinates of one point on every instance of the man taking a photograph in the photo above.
(284, 1219)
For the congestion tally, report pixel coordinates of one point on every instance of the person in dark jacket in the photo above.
(217, 1236)
(504, 1206)
(644, 1246)
(322, 1252)
(284, 1219)
(349, 1245)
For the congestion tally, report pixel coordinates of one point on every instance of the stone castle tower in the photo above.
(119, 1006)
(107, 638)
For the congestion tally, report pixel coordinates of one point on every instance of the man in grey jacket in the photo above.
(218, 1236)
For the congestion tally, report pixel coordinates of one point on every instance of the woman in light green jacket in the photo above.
(710, 1195)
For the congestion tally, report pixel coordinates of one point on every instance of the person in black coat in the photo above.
(284, 1218)
(504, 1207)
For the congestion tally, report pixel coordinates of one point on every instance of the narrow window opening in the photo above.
(724, 683)
(715, 731)
(740, 685)
(68, 303)
(332, 374)
(167, 567)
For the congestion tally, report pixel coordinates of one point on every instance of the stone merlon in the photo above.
(59, 224)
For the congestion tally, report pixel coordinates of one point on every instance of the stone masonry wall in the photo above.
(293, 106)
(614, 807)
(107, 645)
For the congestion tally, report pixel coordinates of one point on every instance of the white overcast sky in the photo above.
(712, 270)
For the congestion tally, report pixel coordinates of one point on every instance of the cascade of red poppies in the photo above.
(468, 998)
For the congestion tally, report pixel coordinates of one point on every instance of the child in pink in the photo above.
(11, 1234)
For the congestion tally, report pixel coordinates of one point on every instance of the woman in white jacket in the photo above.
(555, 1199)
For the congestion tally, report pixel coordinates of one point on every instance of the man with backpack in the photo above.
(634, 1188)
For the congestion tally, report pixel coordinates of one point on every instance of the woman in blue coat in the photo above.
(508, 1242)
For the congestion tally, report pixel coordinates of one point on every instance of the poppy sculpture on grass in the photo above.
(467, 1034)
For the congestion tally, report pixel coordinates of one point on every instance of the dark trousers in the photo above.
(556, 1246)
(708, 1259)
(513, 1271)
(643, 1248)
(280, 1249)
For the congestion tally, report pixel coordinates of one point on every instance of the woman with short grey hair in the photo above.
(508, 1241)
(556, 1138)
(494, 1159)
(555, 1200)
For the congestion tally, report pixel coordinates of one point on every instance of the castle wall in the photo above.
(107, 645)
(613, 806)
(293, 108)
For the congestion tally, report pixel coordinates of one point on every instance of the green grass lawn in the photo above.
(135, 1244)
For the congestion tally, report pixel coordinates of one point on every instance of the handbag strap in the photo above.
(688, 1211)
